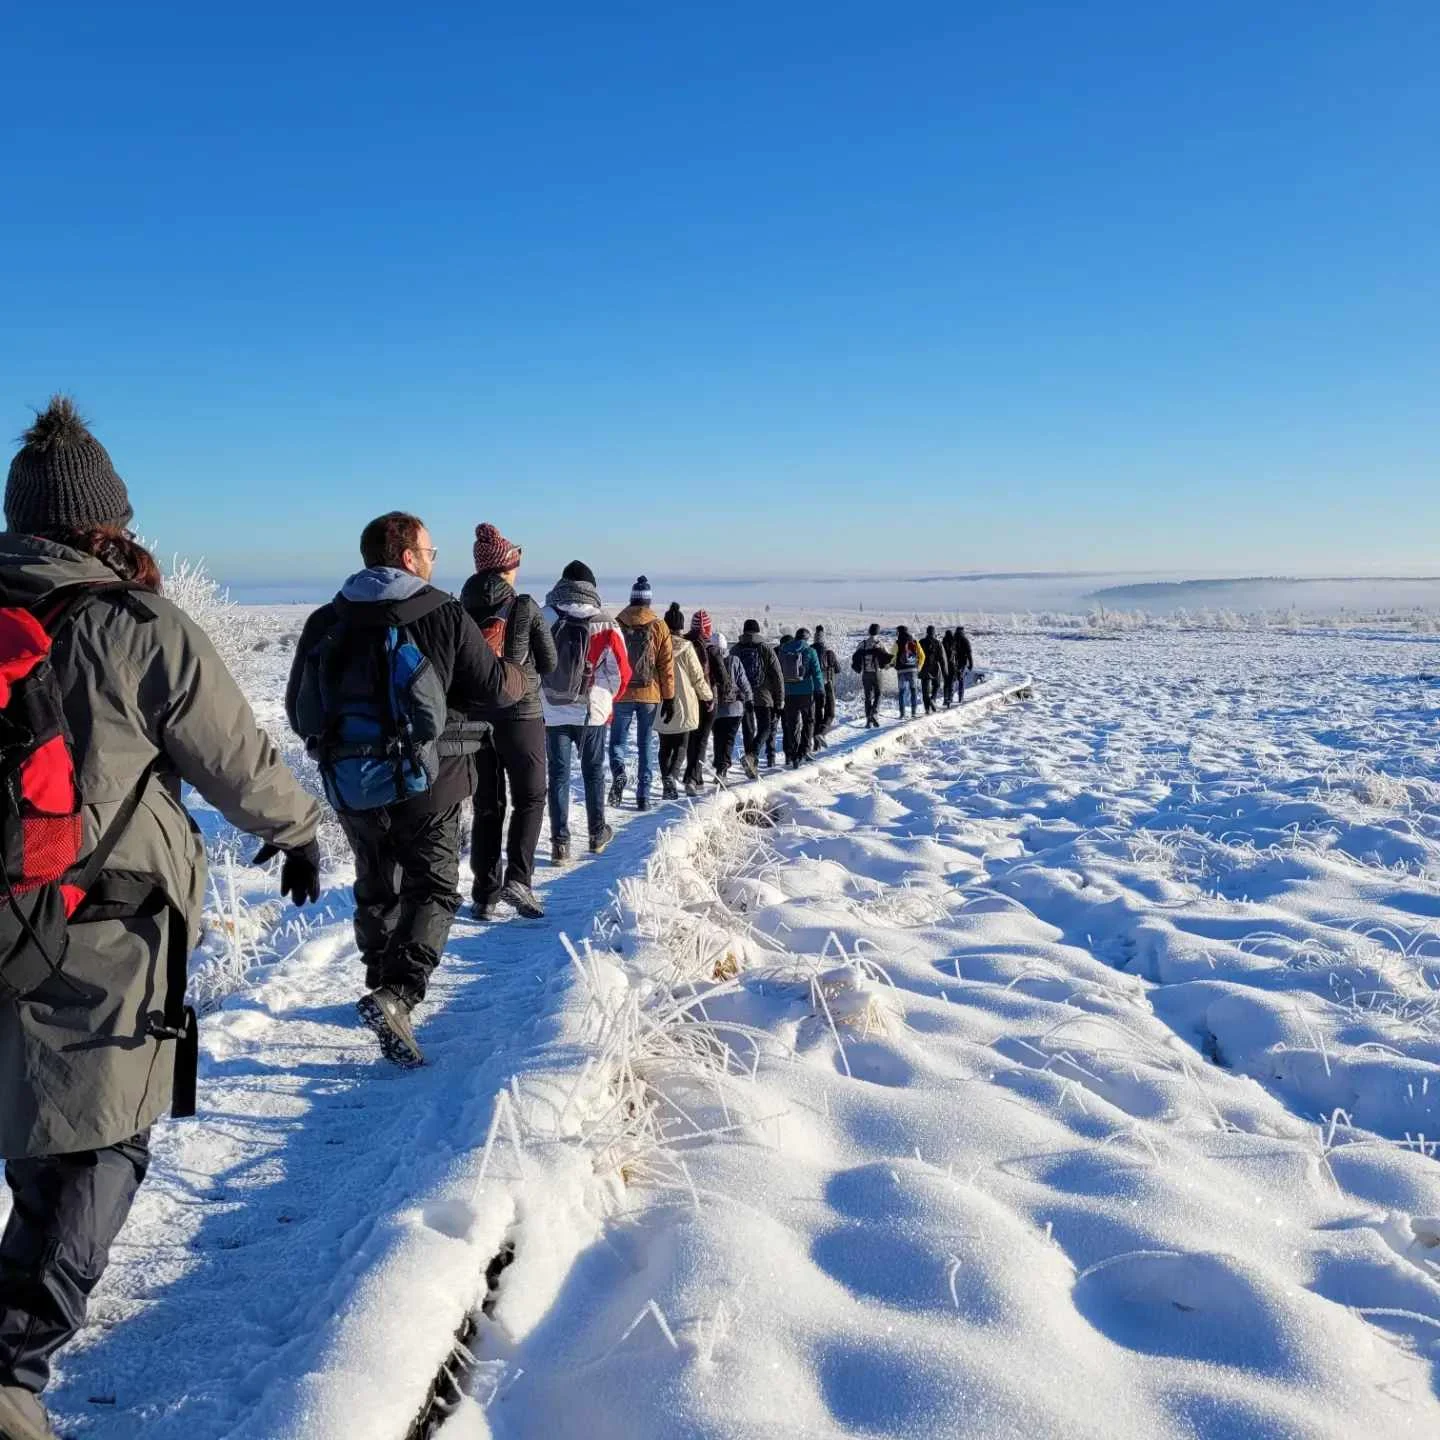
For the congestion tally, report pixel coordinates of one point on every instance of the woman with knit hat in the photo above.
(95, 1041)
(516, 753)
(692, 690)
(717, 678)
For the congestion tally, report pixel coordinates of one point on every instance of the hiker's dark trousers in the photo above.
(516, 753)
(930, 688)
(759, 730)
(68, 1209)
(871, 686)
(407, 868)
(798, 717)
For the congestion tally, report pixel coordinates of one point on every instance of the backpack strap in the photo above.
(89, 872)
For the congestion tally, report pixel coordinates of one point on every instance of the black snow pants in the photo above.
(516, 753)
(929, 688)
(673, 751)
(407, 868)
(871, 686)
(726, 728)
(759, 732)
(68, 1209)
(799, 716)
(697, 744)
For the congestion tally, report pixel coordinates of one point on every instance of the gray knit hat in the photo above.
(61, 478)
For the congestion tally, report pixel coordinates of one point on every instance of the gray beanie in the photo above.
(61, 478)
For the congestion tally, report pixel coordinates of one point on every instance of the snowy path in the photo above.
(279, 1229)
(1073, 1165)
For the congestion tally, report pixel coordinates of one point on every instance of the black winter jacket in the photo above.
(964, 655)
(475, 682)
(937, 662)
(766, 678)
(528, 641)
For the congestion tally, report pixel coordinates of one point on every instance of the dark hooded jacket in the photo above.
(475, 682)
(528, 641)
(81, 1064)
(762, 665)
(964, 655)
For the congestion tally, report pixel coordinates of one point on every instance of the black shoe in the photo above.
(524, 899)
(642, 802)
(559, 852)
(669, 790)
(600, 841)
(617, 790)
(387, 1012)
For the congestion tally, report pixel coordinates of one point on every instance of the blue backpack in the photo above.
(372, 710)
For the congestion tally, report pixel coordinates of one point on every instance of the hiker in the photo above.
(767, 685)
(932, 669)
(869, 659)
(825, 696)
(651, 691)
(731, 704)
(947, 645)
(909, 657)
(384, 683)
(692, 689)
(800, 667)
(514, 753)
(96, 1043)
(701, 629)
(964, 660)
(592, 667)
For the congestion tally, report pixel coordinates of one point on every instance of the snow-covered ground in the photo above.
(1066, 1067)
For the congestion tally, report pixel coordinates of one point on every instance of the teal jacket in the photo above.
(812, 682)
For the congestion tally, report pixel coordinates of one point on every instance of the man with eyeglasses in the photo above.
(383, 679)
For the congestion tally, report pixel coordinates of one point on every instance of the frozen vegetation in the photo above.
(1062, 1066)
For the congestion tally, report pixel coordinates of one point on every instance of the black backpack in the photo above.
(573, 677)
(640, 647)
(794, 666)
(722, 682)
(753, 664)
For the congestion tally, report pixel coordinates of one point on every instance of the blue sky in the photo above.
(740, 290)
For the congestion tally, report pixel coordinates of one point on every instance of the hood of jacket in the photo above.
(30, 568)
(636, 615)
(719, 644)
(792, 645)
(574, 597)
(380, 596)
(488, 591)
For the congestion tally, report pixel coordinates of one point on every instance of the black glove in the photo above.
(300, 874)
(667, 711)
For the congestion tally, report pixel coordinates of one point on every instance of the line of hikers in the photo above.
(412, 701)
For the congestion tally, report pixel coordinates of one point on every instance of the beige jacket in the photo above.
(691, 687)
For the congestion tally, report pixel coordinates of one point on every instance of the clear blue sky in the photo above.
(740, 289)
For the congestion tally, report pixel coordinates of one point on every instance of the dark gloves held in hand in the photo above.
(667, 711)
(300, 874)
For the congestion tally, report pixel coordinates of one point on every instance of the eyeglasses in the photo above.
(431, 551)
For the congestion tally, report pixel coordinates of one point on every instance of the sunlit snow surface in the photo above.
(1085, 1083)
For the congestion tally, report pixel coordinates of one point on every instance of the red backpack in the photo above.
(42, 882)
(495, 627)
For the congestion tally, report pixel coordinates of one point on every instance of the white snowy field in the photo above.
(1063, 1067)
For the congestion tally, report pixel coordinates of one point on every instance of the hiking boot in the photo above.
(559, 852)
(600, 841)
(617, 789)
(387, 1012)
(479, 910)
(669, 790)
(751, 769)
(692, 788)
(22, 1416)
(642, 802)
(524, 899)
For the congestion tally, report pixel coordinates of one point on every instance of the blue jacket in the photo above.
(813, 682)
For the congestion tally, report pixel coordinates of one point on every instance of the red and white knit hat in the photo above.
(493, 551)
